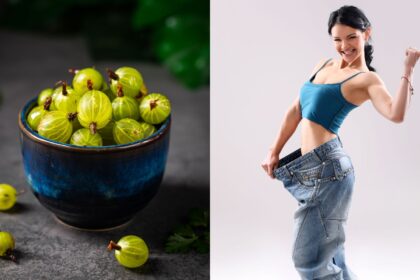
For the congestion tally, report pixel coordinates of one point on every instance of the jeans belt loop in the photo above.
(288, 171)
(339, 140)
(318, 155)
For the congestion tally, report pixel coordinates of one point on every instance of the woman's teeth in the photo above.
(349, 52)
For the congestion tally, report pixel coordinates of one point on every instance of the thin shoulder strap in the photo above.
(352, 76)
(323, 65)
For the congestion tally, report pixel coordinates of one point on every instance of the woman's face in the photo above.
(349, 42)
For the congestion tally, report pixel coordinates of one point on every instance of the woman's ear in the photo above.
(367, 33)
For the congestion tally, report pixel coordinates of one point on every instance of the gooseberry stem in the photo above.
(47, 103)
(20, 192)
(140, 95)
(153, 104)
(9, 254)
(72, 116)
(112, 75)
(89, 84)
(92, 128)
(113, 246)
(119, 90)
(64, 88)
(63, 84)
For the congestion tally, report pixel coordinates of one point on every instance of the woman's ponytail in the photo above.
(369, 56)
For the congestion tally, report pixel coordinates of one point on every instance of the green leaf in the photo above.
(192, 236)
(191, 66)
(199, 218)
(179, 244)
(185, 230)
(202, 244)
(150, 12)
(180, 33)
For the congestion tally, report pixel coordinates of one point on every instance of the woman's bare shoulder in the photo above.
(372, 78)
(321, 63)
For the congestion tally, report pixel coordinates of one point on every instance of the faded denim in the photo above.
(322, 183)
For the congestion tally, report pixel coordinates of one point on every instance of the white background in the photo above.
(262, 52)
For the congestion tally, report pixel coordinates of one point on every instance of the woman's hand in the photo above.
(411, 58)
(270, 163)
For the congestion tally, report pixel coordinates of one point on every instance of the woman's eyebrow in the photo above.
(351, 34)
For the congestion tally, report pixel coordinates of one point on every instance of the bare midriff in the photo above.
(313, 135)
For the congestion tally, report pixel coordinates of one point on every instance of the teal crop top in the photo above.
(325, 104)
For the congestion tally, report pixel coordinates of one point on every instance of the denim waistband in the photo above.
(293, 161)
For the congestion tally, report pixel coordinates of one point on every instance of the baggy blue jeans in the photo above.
(322, 183)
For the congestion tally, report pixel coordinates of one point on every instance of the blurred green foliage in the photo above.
(175, 33)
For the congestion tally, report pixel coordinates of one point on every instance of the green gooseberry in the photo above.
(148, 129)
(87, 79)
(65, 98)
(131, 251)
(37, 113)
(83, 137)
(57, 126)
(155, 108)
(124, 106)
(127, 131)
(7, 196)
(130, 79)
(43, 95)
(94, 110)
(7, 245)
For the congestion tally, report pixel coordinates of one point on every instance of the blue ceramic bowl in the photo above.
(93, 187)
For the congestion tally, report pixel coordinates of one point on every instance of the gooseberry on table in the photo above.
(7, 196)
(131, 251)
(7, 245)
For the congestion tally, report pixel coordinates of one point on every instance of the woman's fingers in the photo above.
(268, 168)
(412, 50)
(270, 171)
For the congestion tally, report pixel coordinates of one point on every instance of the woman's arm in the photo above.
(393, 109)
(288, 126)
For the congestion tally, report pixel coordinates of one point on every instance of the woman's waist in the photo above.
(322, 154)
(313, 135)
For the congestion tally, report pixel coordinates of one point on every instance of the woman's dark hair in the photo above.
(353, 17)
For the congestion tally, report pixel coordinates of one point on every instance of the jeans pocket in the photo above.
(342, 167)
(309, 177)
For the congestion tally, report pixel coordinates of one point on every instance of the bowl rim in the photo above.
(33, 135)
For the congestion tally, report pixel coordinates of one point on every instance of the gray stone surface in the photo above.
(48, 249)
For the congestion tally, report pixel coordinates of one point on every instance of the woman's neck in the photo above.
(358, 63)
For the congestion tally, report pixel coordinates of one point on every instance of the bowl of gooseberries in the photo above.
(94, 150)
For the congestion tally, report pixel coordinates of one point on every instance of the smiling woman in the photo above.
(320, 175)
(351, 29)
(263, 53)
